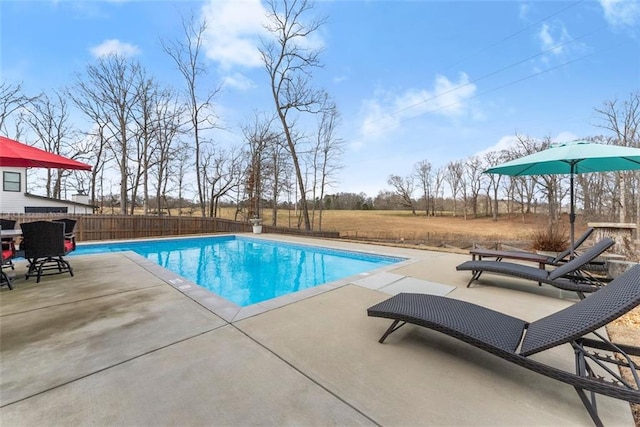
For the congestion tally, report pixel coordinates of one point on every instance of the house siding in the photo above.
(15, 202)
(11, 200)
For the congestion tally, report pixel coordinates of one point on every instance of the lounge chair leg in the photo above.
(6, 279)
(394, 327)
(591, 406)
(475, 276)
(32, 268)
(584, 370)
(39, 272)
(66, 266)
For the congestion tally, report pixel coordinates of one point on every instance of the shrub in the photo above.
(553, 238)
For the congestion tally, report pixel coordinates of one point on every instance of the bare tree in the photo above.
(474, 178)
(440, 178)
(12, 99)
(389, 200)
(464, 189)
(454, 177)
(404, 188)
(144, 136)
(259, 136)
(167, 115)
(493, 182)
(624, 122)
(551, 186)
(280, 170)
(183, 157)
(223, 171)
(186, 54)
(525, 186)
(109, 91)
(49, 120)
(97, 138)
(508, 185)
(326, 155)
(289, 62)
(422, 171)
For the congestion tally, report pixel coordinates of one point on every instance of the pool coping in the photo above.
(232, 312)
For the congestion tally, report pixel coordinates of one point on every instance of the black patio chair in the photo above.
(69, 229)
(45, 249)
(515, 340)
(7, 242)
(7, 254)
(568, 276)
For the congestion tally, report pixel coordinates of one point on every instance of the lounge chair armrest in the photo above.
(517, 255)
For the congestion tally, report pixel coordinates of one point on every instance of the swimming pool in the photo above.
(248, 271)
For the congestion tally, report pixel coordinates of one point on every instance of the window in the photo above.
(45, 209)
(11, 181)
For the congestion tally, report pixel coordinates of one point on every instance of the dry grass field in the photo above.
(398, 226)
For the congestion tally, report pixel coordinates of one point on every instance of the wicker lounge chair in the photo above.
(515, 340)
(567, 276)
(542, 260)
(45, 247)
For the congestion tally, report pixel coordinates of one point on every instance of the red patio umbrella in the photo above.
(17, 154)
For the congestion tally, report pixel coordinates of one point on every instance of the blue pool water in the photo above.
(247, 271)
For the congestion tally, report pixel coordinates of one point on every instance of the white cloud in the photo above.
(312, 41)
(554, 39)
(356, 145)
(378, 118)
(565, 136)
(234, 28)
(510, 142)
(524, 10)
(238, 81)
(621, 13)
(388, 109)
(545, 37)
(114, 47)
(340, 79)
(505, 143)
(556, 44)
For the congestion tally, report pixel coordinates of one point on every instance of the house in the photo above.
(14, 197)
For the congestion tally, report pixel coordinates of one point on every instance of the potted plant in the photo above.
(257, 225)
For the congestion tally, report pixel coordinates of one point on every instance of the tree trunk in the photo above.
(296, 164)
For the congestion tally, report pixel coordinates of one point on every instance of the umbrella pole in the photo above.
(572, 215)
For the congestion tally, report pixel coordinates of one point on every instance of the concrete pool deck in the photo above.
(123, 343)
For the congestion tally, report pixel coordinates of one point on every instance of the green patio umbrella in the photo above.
(572, 158)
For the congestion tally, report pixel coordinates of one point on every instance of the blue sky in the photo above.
(413, 80)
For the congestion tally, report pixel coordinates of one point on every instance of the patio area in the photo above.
(125, 342)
